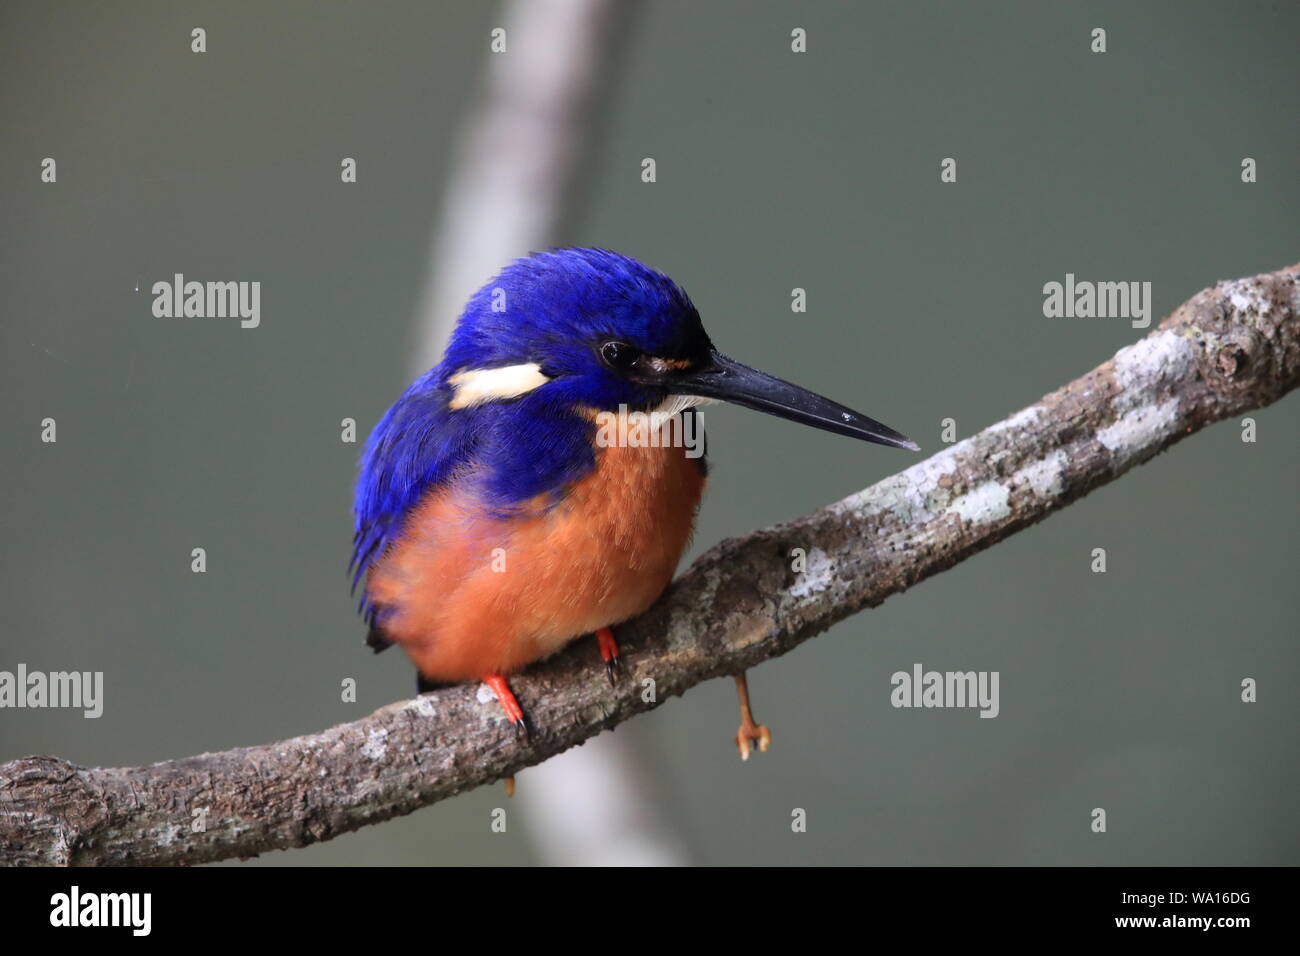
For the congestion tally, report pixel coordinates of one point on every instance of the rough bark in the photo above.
(1228, 350)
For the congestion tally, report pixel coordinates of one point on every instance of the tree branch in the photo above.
(1228, 350)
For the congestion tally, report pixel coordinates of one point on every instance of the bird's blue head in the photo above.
(591, 326)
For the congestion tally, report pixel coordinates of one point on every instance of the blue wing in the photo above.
(520, 449)
(416, 445)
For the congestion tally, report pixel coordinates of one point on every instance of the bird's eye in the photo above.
(620, 356)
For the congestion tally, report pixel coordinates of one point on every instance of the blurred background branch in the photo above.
(516, 177)
(514, 188)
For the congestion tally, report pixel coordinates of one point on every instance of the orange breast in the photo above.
(469, 594)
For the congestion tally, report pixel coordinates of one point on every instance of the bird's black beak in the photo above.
(726, 379)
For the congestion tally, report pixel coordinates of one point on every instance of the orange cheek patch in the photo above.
(467, 593)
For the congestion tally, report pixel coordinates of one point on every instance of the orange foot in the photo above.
(514, 713)
(609, 652)
(750, 732)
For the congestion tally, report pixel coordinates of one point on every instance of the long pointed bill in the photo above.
(726, 379)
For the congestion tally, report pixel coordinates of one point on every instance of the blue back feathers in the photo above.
(554, 309)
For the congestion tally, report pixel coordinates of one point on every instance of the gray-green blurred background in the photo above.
(775, 170)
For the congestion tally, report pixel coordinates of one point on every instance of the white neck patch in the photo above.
(479, 385)
(675, 405)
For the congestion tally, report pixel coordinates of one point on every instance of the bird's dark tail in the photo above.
(377, 640)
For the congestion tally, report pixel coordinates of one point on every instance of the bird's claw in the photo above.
(609, 652)
(752, 733)
(509, 704)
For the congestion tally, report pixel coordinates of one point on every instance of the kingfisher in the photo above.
(499, 516)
